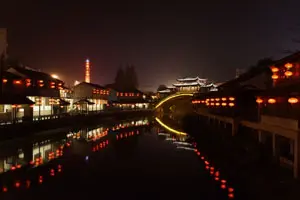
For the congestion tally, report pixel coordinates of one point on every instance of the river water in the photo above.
(134, 159)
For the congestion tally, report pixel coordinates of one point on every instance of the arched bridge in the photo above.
(171, 97)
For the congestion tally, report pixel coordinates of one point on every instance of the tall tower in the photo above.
(87, 76)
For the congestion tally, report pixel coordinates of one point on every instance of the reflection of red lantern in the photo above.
(275, 76)
(259, 100)
(288, 65)
(274, 69)
(288, 73)
(271, 101)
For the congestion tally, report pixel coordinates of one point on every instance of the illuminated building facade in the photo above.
(90, 97)
(87, 76)
(264, 104)
(127, 98)
(39, 87)
(194, 85)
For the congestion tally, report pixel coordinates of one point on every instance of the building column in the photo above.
(274, 144)
(235, 127)
(296, 157)
(259, 136)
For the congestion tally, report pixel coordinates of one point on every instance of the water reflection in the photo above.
(33, 161)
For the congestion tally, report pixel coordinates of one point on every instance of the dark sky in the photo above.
(164, 41)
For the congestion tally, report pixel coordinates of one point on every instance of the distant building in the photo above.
(127, 98)
(194, 85)
(90, 97)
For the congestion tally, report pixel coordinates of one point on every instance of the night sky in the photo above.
(164, 41)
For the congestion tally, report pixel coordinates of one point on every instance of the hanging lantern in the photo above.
(271, 101)
(275, 76)
(274, 69)
(293, 100)
(259, 100)
(231, 98)
(288, 65)
(217, 99)
(231, 104)
(224, 99)
(288, 73)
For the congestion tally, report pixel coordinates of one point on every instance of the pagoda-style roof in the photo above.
(191, 79)
(165, 91)
(195, 83)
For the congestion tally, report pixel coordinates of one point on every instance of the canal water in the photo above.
(134, 159)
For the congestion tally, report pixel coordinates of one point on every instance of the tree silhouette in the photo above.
(120, 78)
(126, 79)
(162, 87)
(131, 77)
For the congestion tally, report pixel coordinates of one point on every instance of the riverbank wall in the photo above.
(66, 123)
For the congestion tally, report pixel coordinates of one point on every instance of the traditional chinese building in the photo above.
(90, 97)
(269, 113)
(122, 98)
(39, 87)
(194, 85)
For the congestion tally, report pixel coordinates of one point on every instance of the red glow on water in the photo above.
(17, 184)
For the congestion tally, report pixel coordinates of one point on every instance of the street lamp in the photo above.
(54, 76)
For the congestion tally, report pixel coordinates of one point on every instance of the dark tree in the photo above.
(162, 87)
(120, 78)
(131, 77)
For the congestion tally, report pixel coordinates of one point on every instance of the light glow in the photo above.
(54, 76)
(169, 128)
(172, 97)
(293, 100)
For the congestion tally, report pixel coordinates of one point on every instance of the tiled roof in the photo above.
(14, 99)
(31, 73)
(93, 85)
(114, 87)
(9, 75)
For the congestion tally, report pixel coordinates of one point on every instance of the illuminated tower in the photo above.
(87, 71)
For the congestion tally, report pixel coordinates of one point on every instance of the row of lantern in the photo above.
(291, 100)
(121, 94)
(214, 100)
(215, 174)
(104, 92)
(224, 101)
(28, 83)
(287, 72)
